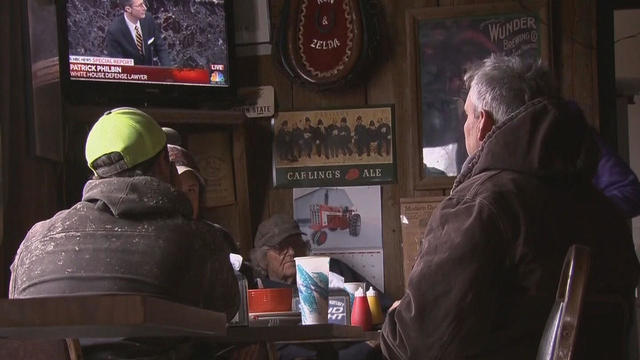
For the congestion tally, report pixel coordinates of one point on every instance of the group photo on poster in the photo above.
(350, 146)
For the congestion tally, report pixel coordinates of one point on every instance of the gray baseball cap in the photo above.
(275, 229)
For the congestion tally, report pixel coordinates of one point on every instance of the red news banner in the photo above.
(113, 69)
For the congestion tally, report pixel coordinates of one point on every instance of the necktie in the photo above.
(139, 40)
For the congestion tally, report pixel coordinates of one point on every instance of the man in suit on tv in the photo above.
(136, 36)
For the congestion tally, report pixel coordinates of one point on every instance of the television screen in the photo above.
(155, 42)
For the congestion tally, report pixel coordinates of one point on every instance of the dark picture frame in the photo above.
(44, 93)
(441, 44)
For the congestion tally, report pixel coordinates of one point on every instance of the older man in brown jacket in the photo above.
(485, 279)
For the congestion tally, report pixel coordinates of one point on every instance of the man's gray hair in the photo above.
(501, 85)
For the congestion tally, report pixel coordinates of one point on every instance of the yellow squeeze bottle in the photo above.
(374, 305)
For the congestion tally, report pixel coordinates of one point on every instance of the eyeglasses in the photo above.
(299, 246)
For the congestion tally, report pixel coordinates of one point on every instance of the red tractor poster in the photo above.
(339, 218)
(334, 218)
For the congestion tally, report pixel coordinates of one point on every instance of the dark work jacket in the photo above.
(486, 275)
(127, 235)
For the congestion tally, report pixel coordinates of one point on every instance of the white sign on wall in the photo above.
(258, 101)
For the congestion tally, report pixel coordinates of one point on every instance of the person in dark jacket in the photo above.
(308, 133)
(344, 137)
(333, 138)
(189, 180)
(373, 137)
(320, 136)
(297, 139)
(361, 138)
(284, 143)
(135, 35)
(617, 181)
(132, 232)
(384, 137)
(192, 184)
(486, 276)
(614, 177)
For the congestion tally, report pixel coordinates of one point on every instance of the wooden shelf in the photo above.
(89, 114)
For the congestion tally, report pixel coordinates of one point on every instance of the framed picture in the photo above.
(414, 217)
(442, 43)
(341, 147)
(213, 154)
(44, 94)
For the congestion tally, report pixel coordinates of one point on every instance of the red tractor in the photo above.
(332, 218)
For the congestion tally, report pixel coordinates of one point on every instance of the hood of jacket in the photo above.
(138, 196)
(544, 138)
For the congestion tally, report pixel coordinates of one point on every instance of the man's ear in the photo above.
(486, 124)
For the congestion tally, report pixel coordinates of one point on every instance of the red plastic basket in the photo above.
(269, 300)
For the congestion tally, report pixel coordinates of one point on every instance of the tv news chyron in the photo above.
(103, 60)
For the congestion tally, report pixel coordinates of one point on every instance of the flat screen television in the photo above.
(174, 53)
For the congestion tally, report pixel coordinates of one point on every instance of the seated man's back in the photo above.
(131, 233)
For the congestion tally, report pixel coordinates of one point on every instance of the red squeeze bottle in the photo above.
(360, 314)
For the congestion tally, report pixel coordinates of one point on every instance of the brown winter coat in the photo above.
(484, 281)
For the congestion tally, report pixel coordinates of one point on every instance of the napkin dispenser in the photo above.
(242, 317)
(339, 307)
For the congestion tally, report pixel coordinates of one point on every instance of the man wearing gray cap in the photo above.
(278, 240)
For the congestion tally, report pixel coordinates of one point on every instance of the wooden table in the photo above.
(326, 339)
(104, 316)
(107, 316)
(298, 333)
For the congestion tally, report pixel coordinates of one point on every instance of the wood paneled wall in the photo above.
(32, 187)
(574, 63)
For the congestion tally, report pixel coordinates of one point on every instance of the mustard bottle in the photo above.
(374, 305)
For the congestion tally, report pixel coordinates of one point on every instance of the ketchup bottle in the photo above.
(360, 314)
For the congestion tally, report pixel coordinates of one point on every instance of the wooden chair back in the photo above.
(559, 336)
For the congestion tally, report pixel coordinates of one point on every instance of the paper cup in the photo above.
(351, 288)
(312, 277)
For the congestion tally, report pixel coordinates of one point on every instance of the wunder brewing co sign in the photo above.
(342, 147)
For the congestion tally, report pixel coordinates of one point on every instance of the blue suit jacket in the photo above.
(120, 43)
